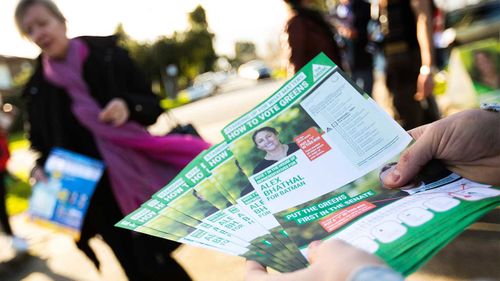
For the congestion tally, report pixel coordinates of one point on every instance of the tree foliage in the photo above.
(191, 51)
(244, 51)
(198, 18)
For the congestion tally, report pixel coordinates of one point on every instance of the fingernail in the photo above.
(395, 175)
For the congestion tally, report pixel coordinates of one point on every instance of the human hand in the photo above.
(116, 112)
(347, 32)
(467, 142)
(425, 86)
(333, 260)
(38, 175)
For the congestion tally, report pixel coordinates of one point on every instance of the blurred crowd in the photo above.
(357, 34)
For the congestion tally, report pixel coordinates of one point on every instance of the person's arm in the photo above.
(467, 142)
(37, 173)
(423, 15)
(142, 103)
(35, 133)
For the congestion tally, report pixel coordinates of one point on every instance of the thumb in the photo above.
(104, 114)
(411, 162)
(312, 250)
(107, 112)
(419, 131)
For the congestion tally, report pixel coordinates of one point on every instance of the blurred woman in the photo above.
(18, 243)
(88, 96)
(306, 34)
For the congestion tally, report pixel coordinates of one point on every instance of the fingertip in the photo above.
(395, 175)
(416, 133)
(392, 179)
(337, 243)
(314, 244)
(312, 250)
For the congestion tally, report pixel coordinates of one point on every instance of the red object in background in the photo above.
(4, 151)
(438, 21)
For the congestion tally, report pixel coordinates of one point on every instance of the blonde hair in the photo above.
(24, 5)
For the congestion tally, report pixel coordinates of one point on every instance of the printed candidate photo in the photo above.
(271, 142)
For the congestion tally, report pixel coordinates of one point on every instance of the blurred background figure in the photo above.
(307, 33)
(18, 243)
(351, 18)
(408, 51)
(87, 96)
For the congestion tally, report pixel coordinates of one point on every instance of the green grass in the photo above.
(18, 193)
(168, 104)
(18, 140)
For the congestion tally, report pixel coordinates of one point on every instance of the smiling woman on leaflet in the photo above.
(267, 140)
(86, 95)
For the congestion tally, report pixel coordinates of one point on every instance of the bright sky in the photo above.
(260, 21)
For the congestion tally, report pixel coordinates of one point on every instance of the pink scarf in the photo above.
(138, 163)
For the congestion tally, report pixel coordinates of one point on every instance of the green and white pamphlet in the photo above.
(245, 197)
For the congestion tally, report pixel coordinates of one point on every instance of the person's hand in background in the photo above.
(38, 175)
(116, 112)
(425, 86)
(468, 143)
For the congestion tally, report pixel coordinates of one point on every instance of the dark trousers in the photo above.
(364, 79)
(4, 218)
(142, 257)
(402, 72)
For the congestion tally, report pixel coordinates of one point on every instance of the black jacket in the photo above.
(109, 73)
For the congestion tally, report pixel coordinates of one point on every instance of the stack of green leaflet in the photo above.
(304, 165)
